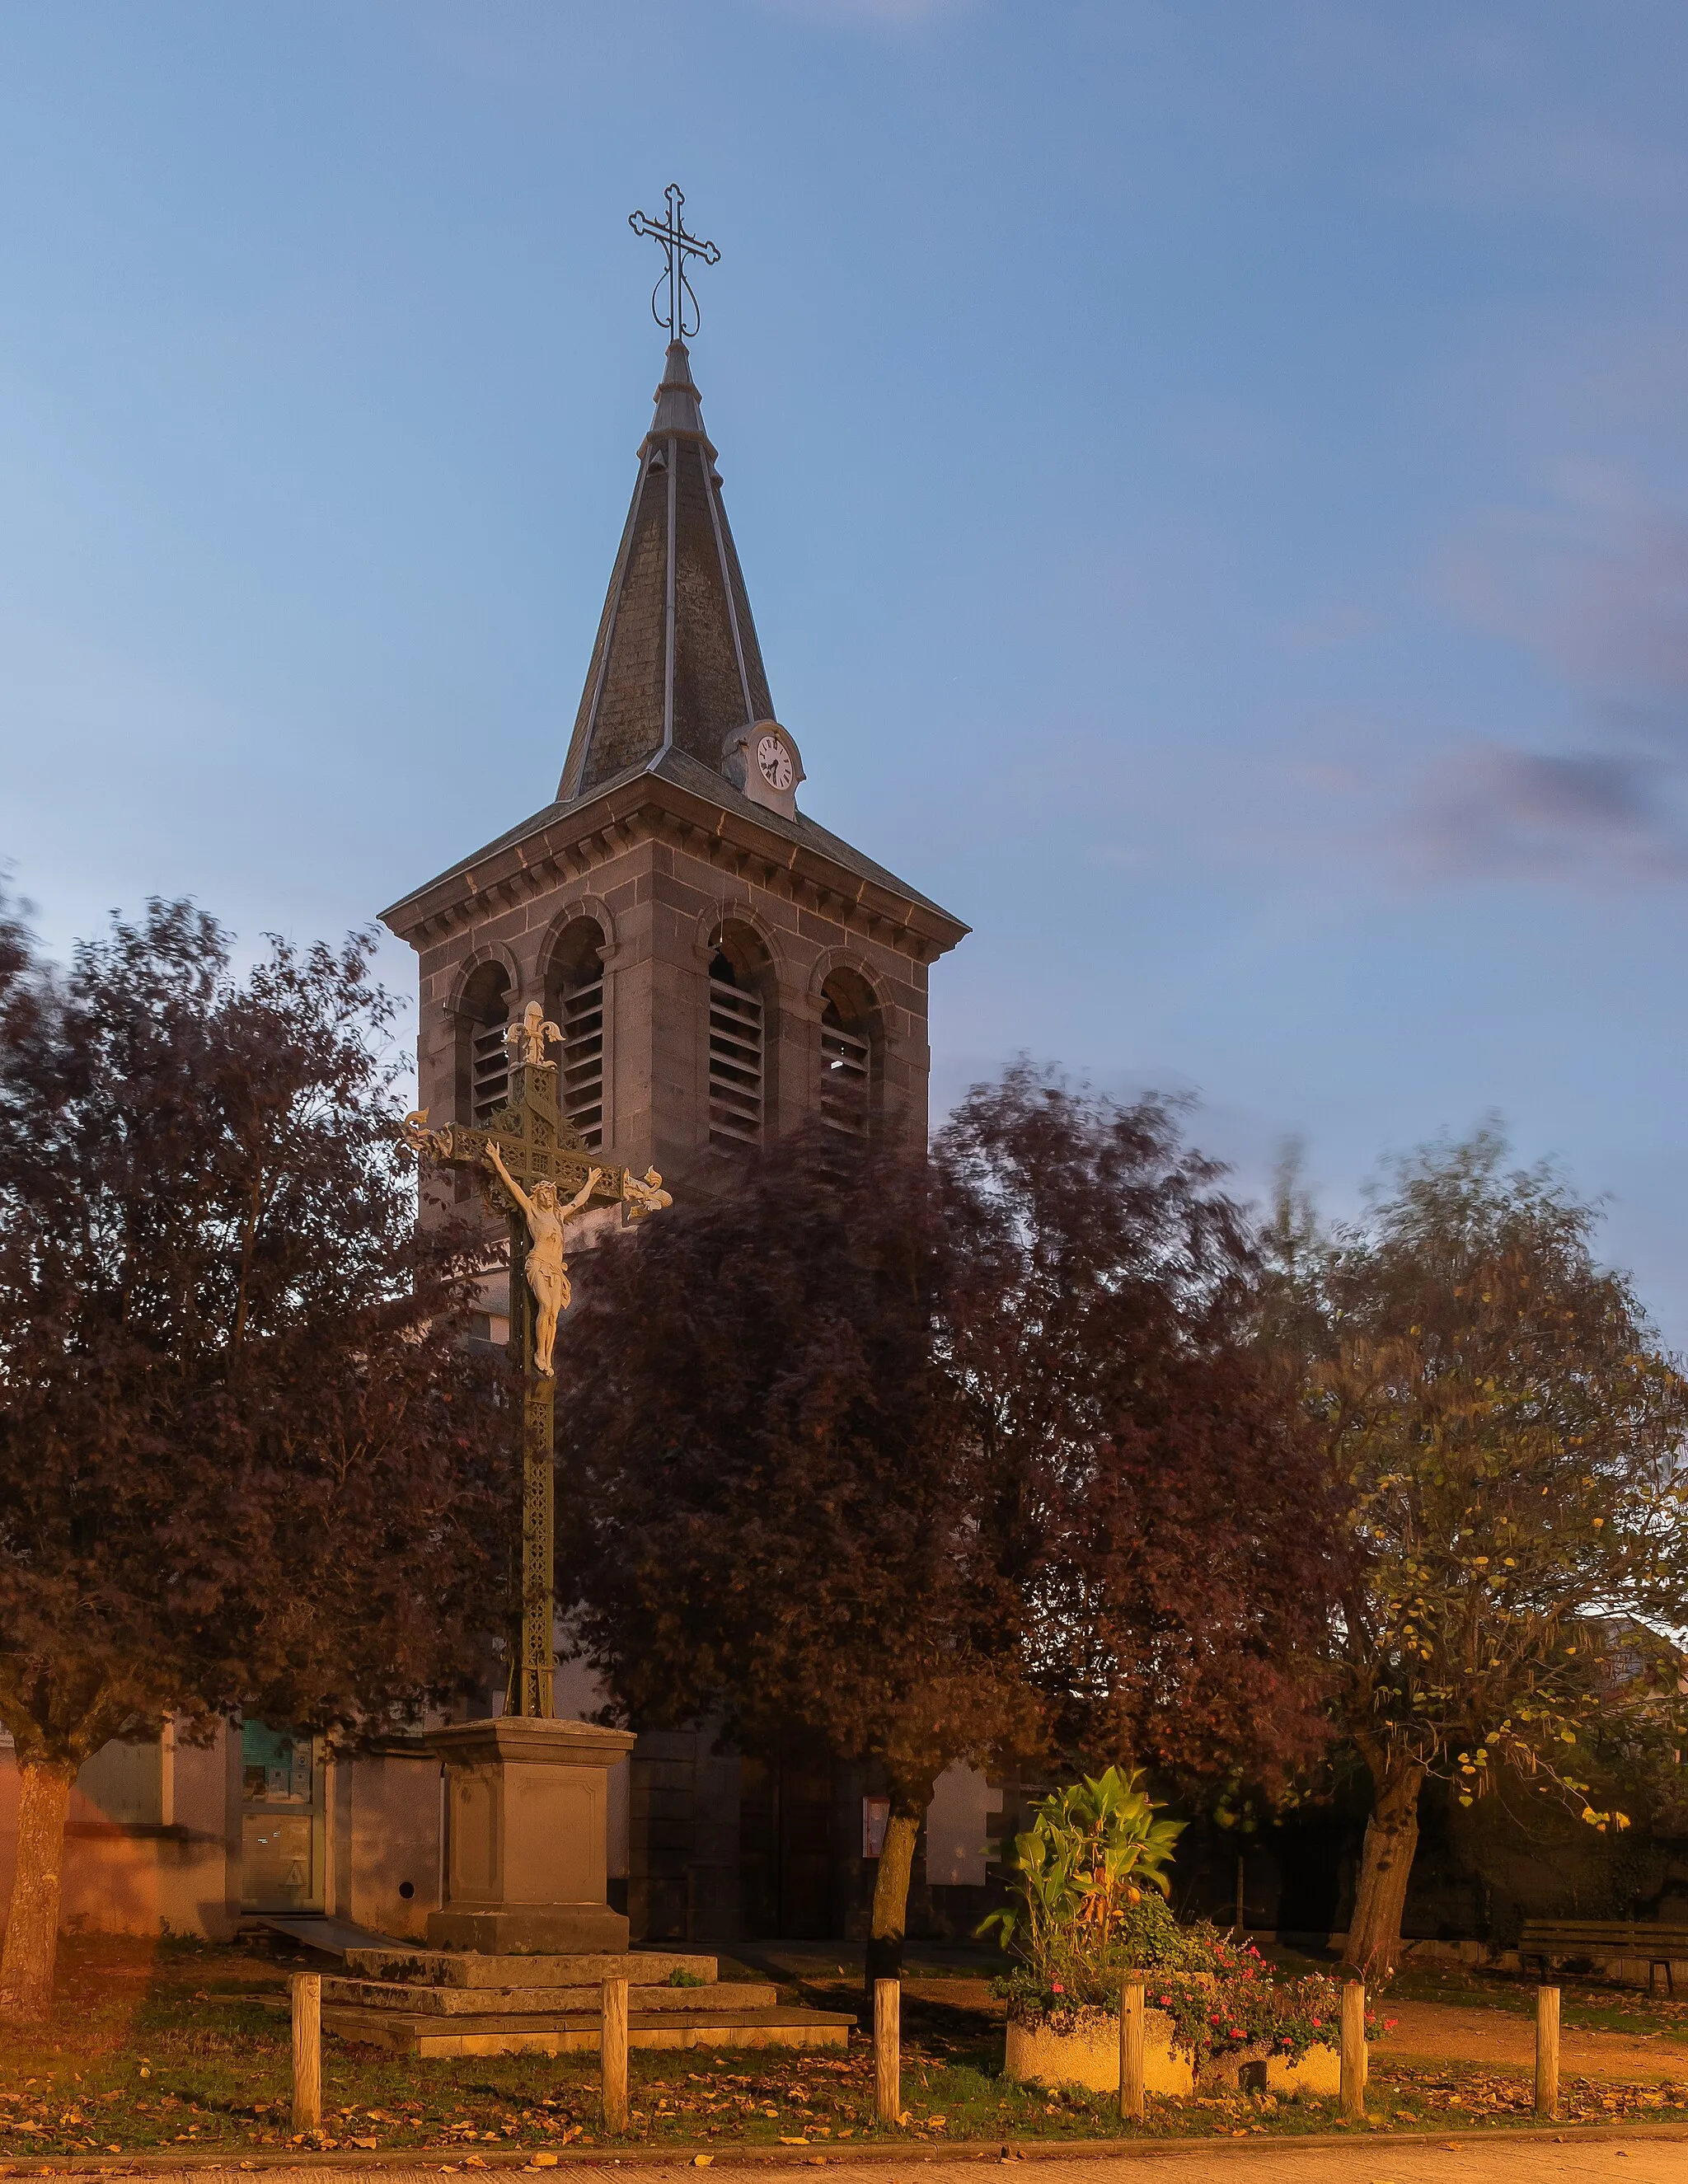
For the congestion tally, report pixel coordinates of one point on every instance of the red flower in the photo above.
(1318, 2020)
(1056, 1987)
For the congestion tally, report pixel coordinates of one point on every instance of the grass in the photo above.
(174, 2044)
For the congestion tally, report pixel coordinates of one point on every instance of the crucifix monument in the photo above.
(527, 1152)
(526, 1865)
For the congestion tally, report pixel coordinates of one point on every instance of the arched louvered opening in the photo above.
(740, 1039)
(850, 1070)
(575, 1002)
(482, 1057)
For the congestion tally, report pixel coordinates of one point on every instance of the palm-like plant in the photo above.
(1091, 1850)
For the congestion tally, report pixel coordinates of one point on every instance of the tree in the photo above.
(1157, 1500)
(247, 1461)
(771, 1503)
(948, 1461)
(1509, 1438)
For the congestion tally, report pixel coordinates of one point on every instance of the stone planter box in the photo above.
(1088, 2056)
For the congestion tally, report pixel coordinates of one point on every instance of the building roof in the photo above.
(676, 665)
(696, 791)
(676, 671)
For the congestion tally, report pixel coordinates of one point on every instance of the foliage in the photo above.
(1155, 1497)
(773, 1506)
(777, 1520)
(1222, 2000)
(247, 1461)
(1509, 1439)
(1083, 1865)
(927, 1461)
(1091, 1877)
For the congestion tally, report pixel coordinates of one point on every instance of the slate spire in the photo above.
(677, 664)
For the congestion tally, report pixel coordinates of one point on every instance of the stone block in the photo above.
(526, 1868)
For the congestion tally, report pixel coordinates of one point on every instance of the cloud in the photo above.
(1491, 811)
(1594, 582)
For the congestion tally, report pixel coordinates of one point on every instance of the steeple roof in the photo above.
(676, 665)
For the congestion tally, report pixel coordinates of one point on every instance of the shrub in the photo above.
(1090, 1875)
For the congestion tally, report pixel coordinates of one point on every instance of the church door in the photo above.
(282, 1831)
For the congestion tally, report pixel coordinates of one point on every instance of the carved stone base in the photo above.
(525, 1837)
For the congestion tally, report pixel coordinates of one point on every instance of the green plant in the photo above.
(1083, 1866)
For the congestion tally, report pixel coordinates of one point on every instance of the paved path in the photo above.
(1454, 2160)
(1442, 2032)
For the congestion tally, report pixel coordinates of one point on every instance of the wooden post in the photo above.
(887, 2066)
(1131, 2027)
(1354, 2050)
(612, 2054)
(307, 1988)
(1547, 2052)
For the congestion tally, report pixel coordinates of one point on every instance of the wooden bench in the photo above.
(1641, 1939)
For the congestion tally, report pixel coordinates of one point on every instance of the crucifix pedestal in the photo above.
(525, 1834)
(526, 1795)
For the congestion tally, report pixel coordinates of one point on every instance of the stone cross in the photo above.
(536, 1145)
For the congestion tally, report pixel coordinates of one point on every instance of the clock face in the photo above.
(775, 760)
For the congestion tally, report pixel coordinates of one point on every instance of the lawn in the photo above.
(177, 2044)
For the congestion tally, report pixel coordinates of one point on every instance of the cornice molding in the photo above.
(567, 846)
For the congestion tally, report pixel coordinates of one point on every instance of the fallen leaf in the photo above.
(545, 2161)
(794, 2142)
(702, 2160)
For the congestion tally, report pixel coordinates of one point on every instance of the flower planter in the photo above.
(1087, 2053)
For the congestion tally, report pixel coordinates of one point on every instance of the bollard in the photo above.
(888, 2070)
(612, 2054)
(1354, 2050)
(307, 1994)
(1547, 2052)
(1131, 2027)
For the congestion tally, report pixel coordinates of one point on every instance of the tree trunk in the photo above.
(1385, 1867)
(27, 1964)
(890, 1902)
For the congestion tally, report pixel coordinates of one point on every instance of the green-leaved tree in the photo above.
(1508, 1436)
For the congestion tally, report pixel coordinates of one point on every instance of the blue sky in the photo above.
(1213, 478)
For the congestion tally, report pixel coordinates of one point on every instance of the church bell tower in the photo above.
(723, 969)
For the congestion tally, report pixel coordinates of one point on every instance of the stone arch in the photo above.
(488, 951)
(592, 908)
(737, 912)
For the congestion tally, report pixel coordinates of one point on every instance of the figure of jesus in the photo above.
(547, 1269)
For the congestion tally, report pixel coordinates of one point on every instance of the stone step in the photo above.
(524, 2000)
(576, 2032)
(467, 1968)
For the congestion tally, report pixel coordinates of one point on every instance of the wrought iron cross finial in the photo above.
(678, 245)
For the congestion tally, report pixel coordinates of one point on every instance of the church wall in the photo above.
(393, 1843)
(152, 1840)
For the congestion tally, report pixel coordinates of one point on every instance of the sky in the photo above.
(1212, 477)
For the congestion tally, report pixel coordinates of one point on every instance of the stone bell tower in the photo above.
(724, 969)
